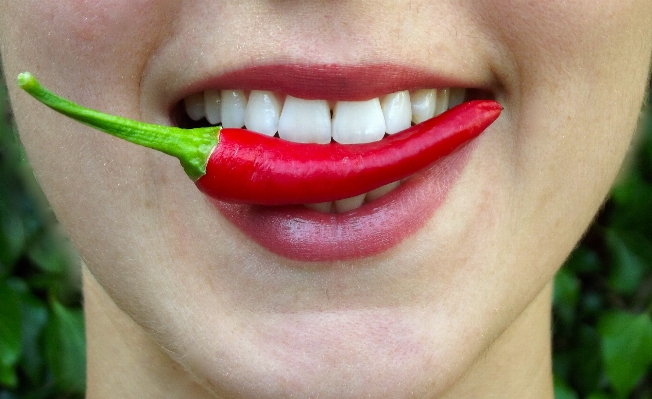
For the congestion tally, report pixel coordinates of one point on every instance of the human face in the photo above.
(249, 318)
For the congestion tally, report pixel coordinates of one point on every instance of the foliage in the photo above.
(602, 300)
(41, 323)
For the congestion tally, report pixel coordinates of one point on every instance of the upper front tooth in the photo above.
(397, 111)
(263, 111)
(234, 103)
(305, 121)
(358, 121)
(213, 106)
(195, 106)
(423, 102)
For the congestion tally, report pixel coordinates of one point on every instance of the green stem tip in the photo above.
(192, 147)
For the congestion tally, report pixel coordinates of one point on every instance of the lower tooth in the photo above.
(349, 204)
(381, 191)
(326, 207)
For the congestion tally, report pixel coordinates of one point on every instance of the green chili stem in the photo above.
(192, 147)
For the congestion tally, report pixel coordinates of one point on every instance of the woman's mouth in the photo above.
(383, 186)
(319, 121)
(343, 104)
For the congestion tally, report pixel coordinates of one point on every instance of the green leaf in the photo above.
(566, 294)
(567, 288)
(10, 333)
(8, 376)
(632, 200)
(561, 365)
(12, 237)
(65, 348)
(583, 261)
(34, 315)
(626, 348)
(49, 254)
(7, 395)
(631, 255)
(592, 303)
(563, 391)
(587, 365)
(53, 254)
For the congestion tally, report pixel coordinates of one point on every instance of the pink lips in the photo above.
(305, 235)
(301, 234)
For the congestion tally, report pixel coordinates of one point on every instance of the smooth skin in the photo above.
(181, 304)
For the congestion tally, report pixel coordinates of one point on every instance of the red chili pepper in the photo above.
(241, 166)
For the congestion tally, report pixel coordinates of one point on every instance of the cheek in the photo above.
(569, 36)
(575, 78)
(96, 36)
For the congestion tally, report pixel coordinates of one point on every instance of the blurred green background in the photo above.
(602, 302)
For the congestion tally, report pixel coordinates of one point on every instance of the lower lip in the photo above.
(301, 234)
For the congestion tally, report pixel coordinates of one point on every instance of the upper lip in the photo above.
(334, 82)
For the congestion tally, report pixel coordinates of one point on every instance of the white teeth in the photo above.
(456, 97)
(358, 122)
(195, 106)
(262, 113)
(423, 104)
(397, 111)
(309, 121)
(305, 121)
(349, 204)
(443, 97)
(234, 104)
(380, 191)
(213, 106)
